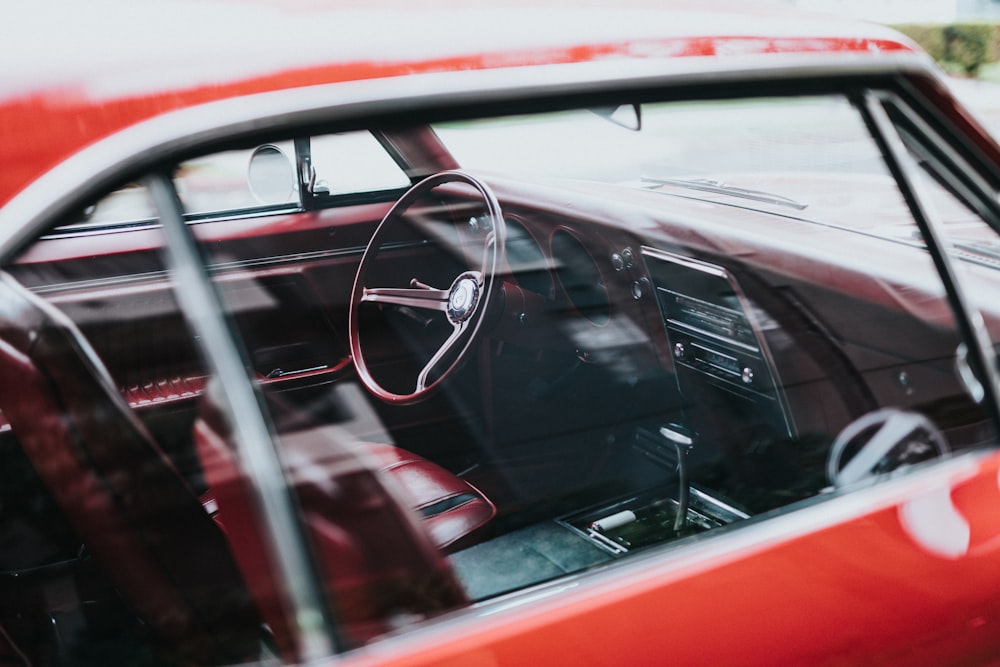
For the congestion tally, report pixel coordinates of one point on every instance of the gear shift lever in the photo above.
(683, 444)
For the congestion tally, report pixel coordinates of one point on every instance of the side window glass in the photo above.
(127, 206)
(217, 185)
(704, 339)
(240, 179)
(257, 180)
(353, 162)
(613, 351)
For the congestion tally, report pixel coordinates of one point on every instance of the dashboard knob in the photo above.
(617, 261)
(679, 350)
(747, 375)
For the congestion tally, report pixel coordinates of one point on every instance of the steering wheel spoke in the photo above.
(442, 352)
(414, 297)
(882, 441)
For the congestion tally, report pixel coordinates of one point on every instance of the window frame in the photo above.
(123, 156)
(946, 165)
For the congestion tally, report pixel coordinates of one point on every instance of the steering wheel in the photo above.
(880, 442)
(463, 303)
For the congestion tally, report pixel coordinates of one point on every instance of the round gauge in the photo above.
(526, 260)
(580, 278)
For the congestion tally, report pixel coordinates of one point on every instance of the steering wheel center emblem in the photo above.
(463, 298)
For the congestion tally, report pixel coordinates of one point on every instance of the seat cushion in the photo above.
(453, 511)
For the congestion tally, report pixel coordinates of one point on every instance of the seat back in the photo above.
(359, 504)
(123, 496)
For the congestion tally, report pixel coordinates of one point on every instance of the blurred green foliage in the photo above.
(960, 48)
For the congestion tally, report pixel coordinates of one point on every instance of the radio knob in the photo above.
(679, 350)
(747, 375)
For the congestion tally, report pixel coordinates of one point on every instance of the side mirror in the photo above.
(271, 175)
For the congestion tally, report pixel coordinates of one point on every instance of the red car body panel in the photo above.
(50, 111)
(864, 591)
(862, 564)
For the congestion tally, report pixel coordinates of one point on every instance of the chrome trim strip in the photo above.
(236, 265)
(313, 256)
(688, 262)
(604, 542)
(718, 504)
(134, 280)
(708, 334)
(77, 229)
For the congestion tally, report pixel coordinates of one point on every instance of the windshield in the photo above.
(811, 158)
(697, 140)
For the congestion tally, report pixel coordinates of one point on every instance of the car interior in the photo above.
(476, 385)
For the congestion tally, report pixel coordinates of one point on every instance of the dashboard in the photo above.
(617, 320)
(759, 346)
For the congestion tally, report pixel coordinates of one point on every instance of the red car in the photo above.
(549, 333)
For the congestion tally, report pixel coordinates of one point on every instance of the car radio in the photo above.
(719, 355)
(741, 368)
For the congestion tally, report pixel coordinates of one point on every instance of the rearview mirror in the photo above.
(628, 116)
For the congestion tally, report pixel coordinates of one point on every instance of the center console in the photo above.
(649, 518)
(722, 365)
